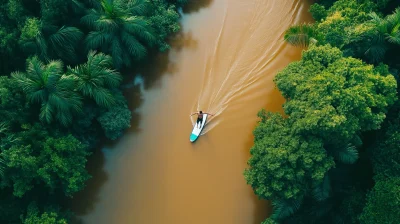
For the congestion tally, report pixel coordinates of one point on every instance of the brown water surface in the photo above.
(223, 62)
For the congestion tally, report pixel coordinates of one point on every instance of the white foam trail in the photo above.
(244, 70)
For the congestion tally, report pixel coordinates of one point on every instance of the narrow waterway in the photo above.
(223, 62)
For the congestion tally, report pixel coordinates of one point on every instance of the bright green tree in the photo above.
(96, 78)
(335, 97)
(45, 84)
(34, 216)
(34, 159)
(164, 18)
(284, 165)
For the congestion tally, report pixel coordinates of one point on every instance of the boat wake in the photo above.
(245, 62)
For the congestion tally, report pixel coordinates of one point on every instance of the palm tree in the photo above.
(386, 32)
(45, 84)
(137, 7)
(321, 191)
(283, 208)
(301, 35)
(96, 78)
(346, 154)
(117, 32)
(49, 41)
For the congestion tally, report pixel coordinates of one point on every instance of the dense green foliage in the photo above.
(333, 157)
(60, 92)
(383, 202)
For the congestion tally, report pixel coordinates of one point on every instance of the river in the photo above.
(223, 62)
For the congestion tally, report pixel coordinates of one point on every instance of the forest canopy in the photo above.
(333, 156)
(62, 63)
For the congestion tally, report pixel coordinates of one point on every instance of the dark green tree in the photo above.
(49, 41)
(35, 159)
(34, 216)
(117, 32)
(96, 79)
(45, 84)
(383, 203)
(116, 119)
(335, 97)
(384, 34)
(284, 165)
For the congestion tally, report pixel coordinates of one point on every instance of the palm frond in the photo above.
(138, 7)
(347, 155)
(55, 67)
(65, 118)
(32, 87)
(90, 18)
(112, 78)
(104, 97)
(377, 49)
(284, 208)
(4, 128)
(37, 96)
(322, 190)
(46, 113)
(135, 25)
(77, 6)
(42, 47)
(64, 42)
(126, 58)
(99, 66)
(108, 25)
(375, 18)
(35, 68)
(134, 47)
(300, 35)
(116, 52)
(66, 35)
(97, 39)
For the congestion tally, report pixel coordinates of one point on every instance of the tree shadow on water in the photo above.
(196, 5)
(84, 201)
(184, 41)
(262, 208)
(159, 64)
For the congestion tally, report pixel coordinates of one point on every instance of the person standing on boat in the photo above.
(200, 117)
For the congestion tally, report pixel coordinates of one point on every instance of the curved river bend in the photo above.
(223, 62)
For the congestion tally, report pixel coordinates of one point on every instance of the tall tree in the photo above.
(335, 97)
(117, 32)
(46, 84)
(49, 41)
(383, 36)
(383, 202)
(96, 79)
(36, 159)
